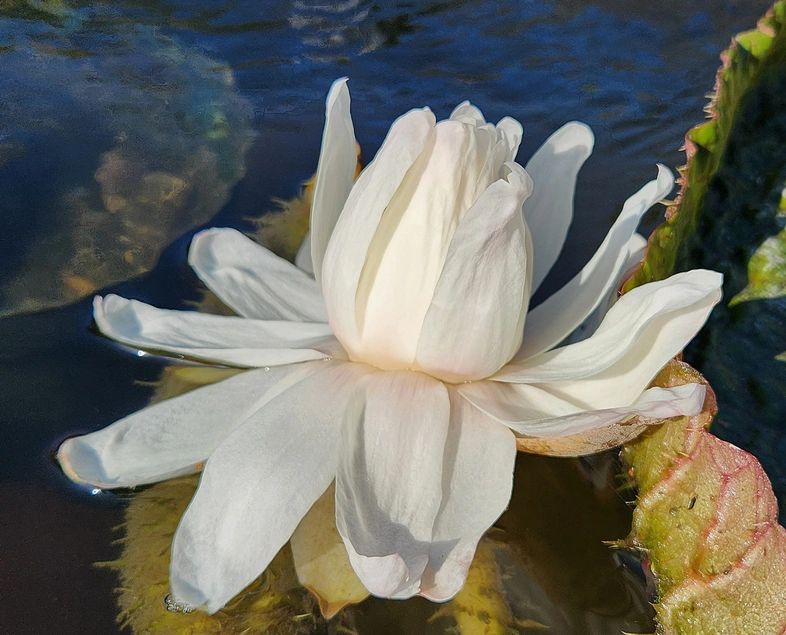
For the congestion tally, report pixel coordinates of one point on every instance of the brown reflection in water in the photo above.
(561, 512)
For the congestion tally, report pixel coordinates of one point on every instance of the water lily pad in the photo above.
(766, 272)
(706, 519)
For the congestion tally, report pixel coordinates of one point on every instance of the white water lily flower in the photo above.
(404, 370)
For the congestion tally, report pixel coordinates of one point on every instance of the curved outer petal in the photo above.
(638, 336)
(553, 320)
(477, 478)
(389, 479)
(517, 402)
(335, 172)
(653, 406)
(173, 437)
(347, 250)
(549, 211)
(252, 280)
(303, 256)
(466, 111)
(476, 316)
(636, 249)
(234, 341)
(407, 254)
(256, 487)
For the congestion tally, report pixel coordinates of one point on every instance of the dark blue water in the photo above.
(124, 128)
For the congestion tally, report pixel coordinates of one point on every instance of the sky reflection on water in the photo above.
(635, 71)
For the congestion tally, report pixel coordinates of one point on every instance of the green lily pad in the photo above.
(766, 272)
(706, 519)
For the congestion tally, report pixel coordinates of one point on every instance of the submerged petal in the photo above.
(476, 316)
(335, 172)
(234, 341)
(321, 559)
(477, 478)
(349, 245)
(639, 335)
(252, 280)
(552, 321)
(257, 486)
(176, 436)
(389, 479)
(549, 211)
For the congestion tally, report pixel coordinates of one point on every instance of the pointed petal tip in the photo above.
(82, 464)
(64, 460)
(338, 89)
(185, 594)
(201, 240)
(573, 134)
(665, 180)
(518, 177)
(383, 576)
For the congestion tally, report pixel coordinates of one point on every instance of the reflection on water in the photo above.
(121, 127)
(112, 144)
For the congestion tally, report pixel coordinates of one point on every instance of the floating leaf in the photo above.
(766, 272)
(706, 518)
(707, 521)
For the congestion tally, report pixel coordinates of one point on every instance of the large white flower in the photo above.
(403, 370)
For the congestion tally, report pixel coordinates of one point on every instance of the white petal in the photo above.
(511, 131)
(653, 406)
(233, 341)
(636, 250)
(389, 479)
(476, 316)
(335, 172)
(257, 486)
(303, 256)
(549, 211)
(373, 191)
(517, 402)
(639, 335)
(477, 478)
(466, 111)
(407, 254)
(553, 320)
(173, 437)
(252, 280)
